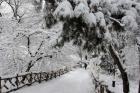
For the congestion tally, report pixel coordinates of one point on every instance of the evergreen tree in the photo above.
(90, 24)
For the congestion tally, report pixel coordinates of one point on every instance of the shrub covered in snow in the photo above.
(64, 9)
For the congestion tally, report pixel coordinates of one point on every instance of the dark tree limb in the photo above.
(35, 57)
(120, 67)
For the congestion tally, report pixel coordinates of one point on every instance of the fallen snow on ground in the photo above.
(77, 81)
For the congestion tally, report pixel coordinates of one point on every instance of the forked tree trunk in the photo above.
(120, 67)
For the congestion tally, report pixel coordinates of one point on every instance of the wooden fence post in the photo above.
(51, 74)
(31, 79)
(101, 89)
(55, 74)
(46, 76)
(59, 73)
(113, 83)
(17, 81)
(40, 77)
(0, 86)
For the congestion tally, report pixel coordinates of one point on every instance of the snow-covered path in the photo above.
(77, 81)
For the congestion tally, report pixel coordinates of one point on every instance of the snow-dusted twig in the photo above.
(113, 19)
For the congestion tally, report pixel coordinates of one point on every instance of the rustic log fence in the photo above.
(100, 87)
(16, 82)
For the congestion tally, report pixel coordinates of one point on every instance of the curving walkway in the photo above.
(77, 81)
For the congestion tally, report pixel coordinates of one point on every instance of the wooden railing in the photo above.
(100, 87)
(16, 82)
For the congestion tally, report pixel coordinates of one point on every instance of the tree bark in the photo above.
(138, 44)
(139, 87)
(120, 67)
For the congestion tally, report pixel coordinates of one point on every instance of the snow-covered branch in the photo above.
(117, 21)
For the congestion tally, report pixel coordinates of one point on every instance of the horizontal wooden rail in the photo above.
(16, 82)
(100, 87)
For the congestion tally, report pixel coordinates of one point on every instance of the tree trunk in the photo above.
(120, 67)
(139, 87)
(138, 44)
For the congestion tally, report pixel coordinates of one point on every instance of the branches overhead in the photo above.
(15, 6)
(118, 22)
(36, 53)
(87, 23)
(28, 38)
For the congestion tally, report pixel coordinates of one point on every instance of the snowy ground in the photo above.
(119, 86)
(77, 81)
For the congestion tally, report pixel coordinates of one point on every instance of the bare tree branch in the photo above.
(39, 48)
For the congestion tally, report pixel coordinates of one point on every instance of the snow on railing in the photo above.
(9, 84)
(100, 86)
